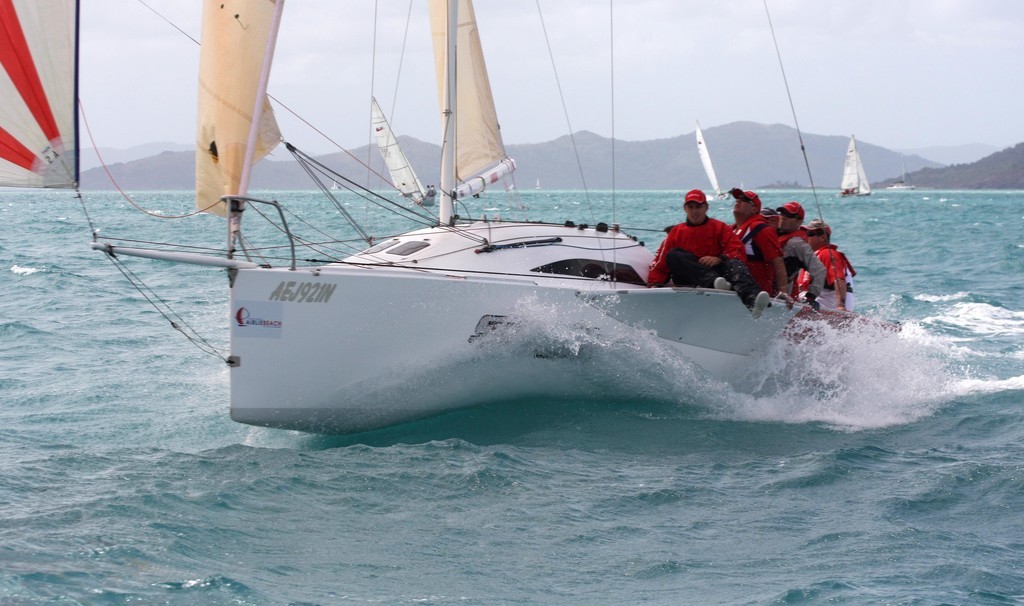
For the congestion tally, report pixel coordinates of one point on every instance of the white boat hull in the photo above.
(345, 349)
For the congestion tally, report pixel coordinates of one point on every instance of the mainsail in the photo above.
(705, 159)
(402, 175)
(855, 181)
(234, 65)
(38, 118)
(480, 154)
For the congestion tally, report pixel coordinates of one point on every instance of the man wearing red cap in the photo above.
(701, 249)
(797, 253)
(761, 243)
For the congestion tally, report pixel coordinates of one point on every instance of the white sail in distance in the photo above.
(234, 113)
(403, 177)
(705, 159)
(855, 181)
(38, 115)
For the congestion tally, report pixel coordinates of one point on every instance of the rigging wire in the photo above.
(311, 166)
(277, 101)
(169, 22)
(611, 69)
(401, 61)
(565, 109)
(373, 80)
(117, 186)
(164, 309)
(792, 107)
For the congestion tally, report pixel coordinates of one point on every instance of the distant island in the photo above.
(759, 155)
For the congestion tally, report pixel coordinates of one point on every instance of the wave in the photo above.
(978, 320)
(25, 271)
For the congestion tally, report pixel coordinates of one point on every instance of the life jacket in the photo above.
(750, 247)
(836, 264)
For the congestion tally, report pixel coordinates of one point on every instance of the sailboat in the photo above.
(418, 323)
(402, 175)
(855, 182)
(902, 183)
(705, 159)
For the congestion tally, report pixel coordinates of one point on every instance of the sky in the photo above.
(903, 74)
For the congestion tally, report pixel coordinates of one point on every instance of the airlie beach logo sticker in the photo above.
(258, 319)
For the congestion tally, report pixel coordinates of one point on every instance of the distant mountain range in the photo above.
(744, 153)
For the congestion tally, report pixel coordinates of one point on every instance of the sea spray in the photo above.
(850, 378)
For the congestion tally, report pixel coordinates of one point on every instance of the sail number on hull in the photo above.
(302, 292)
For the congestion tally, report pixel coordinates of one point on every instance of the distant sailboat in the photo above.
(537, 186)
(902, 183)
(705, 158)
(855, 182)
(402, 176)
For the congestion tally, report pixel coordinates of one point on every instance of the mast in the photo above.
(446, 212)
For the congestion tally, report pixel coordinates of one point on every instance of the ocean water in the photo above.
(866, 468)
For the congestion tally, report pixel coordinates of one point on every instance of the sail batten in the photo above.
(38, 117)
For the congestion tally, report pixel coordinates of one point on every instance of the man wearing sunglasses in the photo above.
(838, 289)
(797, 253)
(761, 244)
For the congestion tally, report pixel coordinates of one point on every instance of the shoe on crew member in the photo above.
(701, 249)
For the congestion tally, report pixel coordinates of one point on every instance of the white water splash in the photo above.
(24, 271)
(959, 296)
(850, 379)
(979, 320)
(968, 387)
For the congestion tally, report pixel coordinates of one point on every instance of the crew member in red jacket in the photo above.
(704, 252)
(760, 242)
(838, 290)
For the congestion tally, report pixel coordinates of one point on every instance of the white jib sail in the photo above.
(403, 177)
(38, 116)
(237, 43)
(705, 159)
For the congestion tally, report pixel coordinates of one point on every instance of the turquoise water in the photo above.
(866, 469)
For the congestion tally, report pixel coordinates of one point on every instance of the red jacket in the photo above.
(836, 264)
(709, 239)
(783, 238)
(761, 250)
